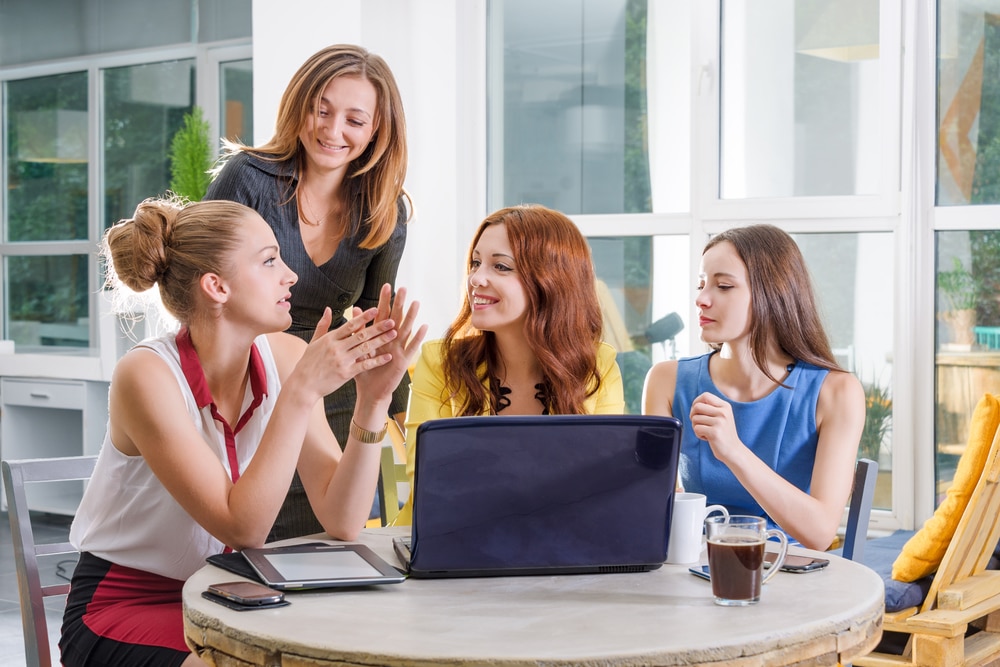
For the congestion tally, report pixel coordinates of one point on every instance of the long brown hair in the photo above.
(376, 181)
(563, 324)
(782, 305)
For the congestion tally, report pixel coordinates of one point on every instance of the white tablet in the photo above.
(321, 566)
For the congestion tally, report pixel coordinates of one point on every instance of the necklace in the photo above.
(304, 203)
(502, 400)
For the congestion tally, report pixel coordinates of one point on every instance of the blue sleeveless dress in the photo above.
(779, 428)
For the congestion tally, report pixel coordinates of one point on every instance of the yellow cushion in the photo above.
(922, 554)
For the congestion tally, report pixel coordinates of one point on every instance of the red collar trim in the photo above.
(195, 375)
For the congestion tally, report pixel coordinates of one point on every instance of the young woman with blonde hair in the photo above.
(208, 425)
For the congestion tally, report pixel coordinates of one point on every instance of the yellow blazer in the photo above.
(429, 399)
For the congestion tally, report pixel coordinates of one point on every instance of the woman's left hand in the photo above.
(378, 383)
(712, 420)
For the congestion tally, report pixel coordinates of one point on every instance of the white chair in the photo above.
(16, 474)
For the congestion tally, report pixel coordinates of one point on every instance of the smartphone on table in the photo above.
(796, 564)
(245, 595)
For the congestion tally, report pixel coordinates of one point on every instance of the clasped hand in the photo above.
(712, 421)
(374, 347)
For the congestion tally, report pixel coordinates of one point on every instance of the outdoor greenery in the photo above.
(191, 157)
(47, 195)
(878, 420)
(138, 133)
(985, 245)
(638, 192)
(959, 286)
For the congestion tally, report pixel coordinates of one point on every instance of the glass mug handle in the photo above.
(774, 532)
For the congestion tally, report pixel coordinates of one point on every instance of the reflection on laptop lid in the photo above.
(541, 495)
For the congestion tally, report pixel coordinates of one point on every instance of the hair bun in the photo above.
(139, 246)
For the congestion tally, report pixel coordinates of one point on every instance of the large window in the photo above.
(46, 296)
(86, 139)
(800, 87)
(851, 279)
(144, 106)
(643, 317)
(574, 121)
(967, 358)
(236, 112)
(967, 259)
(589, 112)
(968, 167)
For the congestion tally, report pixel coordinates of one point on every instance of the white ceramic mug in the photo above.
(686, 526)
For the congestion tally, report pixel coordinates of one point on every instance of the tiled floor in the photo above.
(48, 528)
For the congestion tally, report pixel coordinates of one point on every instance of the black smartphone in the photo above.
(796, 564)
(246, 593)
(700, 571)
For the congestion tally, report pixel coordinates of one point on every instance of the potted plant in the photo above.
(961, 293)
(878, 421)
(191, 157)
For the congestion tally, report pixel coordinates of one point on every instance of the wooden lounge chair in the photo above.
(963, 594)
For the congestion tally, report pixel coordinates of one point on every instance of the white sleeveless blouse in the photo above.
(129, 518)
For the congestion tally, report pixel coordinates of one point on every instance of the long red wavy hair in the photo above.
(563, 324)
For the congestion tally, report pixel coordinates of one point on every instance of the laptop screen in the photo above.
(550, 493)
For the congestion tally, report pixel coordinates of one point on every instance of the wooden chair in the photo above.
(391, 473)
(16, 474)
(963, 592)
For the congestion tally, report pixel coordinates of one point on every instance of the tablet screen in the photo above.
(321, 566)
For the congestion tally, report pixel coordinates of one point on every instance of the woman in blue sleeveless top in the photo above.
(772, 424)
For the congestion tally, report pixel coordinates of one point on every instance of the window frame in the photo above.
(207, 57)
(826, 211)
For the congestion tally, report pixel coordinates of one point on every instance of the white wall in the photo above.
(441, 81)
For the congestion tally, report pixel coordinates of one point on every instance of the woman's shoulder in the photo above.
(146, 368)
(666, 373)
(284, 348)
(842, 384)
(250, 164)
(432, 351)
(663, 370)
(605, 352)
(690, 363)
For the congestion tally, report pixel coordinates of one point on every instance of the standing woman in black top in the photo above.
(330, 185)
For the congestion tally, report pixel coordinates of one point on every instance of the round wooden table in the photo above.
(664, 617)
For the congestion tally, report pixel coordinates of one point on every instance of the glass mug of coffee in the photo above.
(736, 557)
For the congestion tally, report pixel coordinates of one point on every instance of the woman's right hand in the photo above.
(377, 384)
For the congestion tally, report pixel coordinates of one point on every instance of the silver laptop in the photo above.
(541, 495)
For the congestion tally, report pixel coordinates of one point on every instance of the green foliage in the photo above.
(878, 420)
(191, 157)
(638, 191)
(959, 286)
(985, 245)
